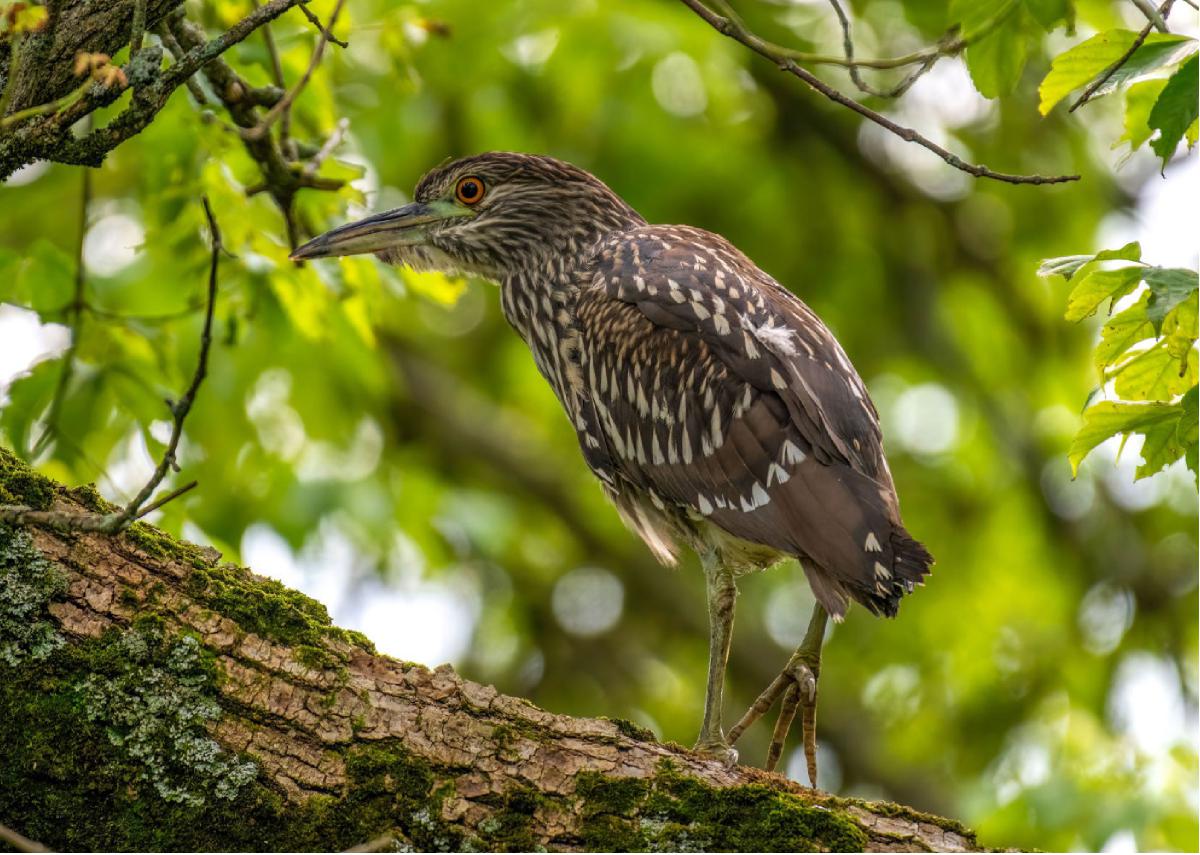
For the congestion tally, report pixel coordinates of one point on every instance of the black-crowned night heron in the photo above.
(716, 409)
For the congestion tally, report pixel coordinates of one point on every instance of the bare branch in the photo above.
(138, 28)
(316, 22)
(1096, 85)
(47, 136)
(1152, 14)
(285, 103)
(737, 32)
(21, 843)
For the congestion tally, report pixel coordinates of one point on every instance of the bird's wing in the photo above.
(711, 387)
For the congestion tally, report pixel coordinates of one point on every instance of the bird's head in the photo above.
(493, 215)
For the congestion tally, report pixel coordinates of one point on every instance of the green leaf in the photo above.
(1175, 110)
(46, 279)
(1160, 448)
(1109, 418)
(1089, 59)
(1123, 331)
(1169, 286)
(1139, 99)
(1181, 327)
(997, 60)
(1049, 13)
(1098, 286)
(1187, 433)
(1069, 265)
(1155, 375)
(28, 397)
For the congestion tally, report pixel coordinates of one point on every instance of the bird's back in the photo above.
(716, 406)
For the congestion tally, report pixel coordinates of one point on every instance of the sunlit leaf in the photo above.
(1121, 332)
(1087, 60)
(1139, 99)
(1108, 418)
(1176, 109)
(1069, 265)
(1098, 286)
(1180, 327)
(1155, 375)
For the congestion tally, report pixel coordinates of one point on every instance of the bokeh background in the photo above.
(382, 440)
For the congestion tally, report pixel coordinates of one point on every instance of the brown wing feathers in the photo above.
(727, 395)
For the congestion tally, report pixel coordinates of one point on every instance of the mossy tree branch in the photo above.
(152, 697)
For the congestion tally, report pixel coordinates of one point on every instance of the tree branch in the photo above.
(731, 28)
(48, 136)
(341, 745)
(21, 843)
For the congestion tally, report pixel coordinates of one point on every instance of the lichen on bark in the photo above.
(159, 699)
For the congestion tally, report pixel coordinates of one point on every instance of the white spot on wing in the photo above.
(791, 453)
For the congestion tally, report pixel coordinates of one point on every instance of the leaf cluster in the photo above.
(1146, 353)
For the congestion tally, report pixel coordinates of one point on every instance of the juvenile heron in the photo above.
(715, 407)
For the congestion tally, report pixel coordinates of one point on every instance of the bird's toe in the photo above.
(718, 750)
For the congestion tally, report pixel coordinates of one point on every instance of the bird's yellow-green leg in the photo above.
(797, 685)
(722, 592)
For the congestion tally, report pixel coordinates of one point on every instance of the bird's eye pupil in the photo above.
(470, 190)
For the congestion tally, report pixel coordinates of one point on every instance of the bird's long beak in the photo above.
(405, 226)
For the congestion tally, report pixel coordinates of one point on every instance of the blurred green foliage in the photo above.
(348, 402)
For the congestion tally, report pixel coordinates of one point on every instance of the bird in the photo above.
(718, 412)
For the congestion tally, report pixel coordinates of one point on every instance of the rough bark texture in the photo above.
(153, 698)
(46, 70)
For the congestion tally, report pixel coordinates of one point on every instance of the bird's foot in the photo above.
(718, 749)
(796, 685)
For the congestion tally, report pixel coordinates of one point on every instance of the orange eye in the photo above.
(469, 190)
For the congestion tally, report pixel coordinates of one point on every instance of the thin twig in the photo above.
(739, 33)
(1152, 14)
(181, 408)
(285, 123)
(285, 103)
(949, 45)
(1164, 10)
(173, 47)
(856, 74)
(19, 841)
(137, 508)
(54, 106)
(74, 312)
(335, 139)
(169, 497)
(138, 29)
(316, 22)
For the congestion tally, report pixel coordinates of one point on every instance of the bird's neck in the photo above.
(539, 299)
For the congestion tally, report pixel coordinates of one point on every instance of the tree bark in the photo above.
(153, 697)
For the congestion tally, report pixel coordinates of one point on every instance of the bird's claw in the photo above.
(797, 686)
(718, 750)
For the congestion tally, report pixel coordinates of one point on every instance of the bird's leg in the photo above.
(722, 592)
(797, 685)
